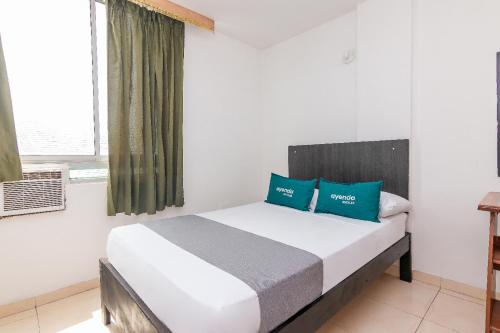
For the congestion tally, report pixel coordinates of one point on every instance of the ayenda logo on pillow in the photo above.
(346, 199)
(288, 192)
(355, 200)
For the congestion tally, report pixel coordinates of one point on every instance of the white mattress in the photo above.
(190, 295)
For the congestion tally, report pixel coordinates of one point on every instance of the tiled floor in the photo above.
(389, 305)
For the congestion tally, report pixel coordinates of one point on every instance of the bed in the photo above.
(156, 281)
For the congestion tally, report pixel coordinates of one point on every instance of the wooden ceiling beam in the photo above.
(177, 12)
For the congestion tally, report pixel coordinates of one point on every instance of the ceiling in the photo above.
(262, 23)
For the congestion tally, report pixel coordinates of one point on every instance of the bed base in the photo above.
(131, 314)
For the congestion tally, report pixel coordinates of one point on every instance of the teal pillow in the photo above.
(294, 193)
(357, 200)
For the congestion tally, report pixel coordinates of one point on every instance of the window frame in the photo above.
(83, 161)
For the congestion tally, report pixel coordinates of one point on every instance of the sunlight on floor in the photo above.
(93, 324)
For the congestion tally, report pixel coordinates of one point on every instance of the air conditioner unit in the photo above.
(42, 190)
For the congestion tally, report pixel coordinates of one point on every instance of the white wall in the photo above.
(41, 253)
(454, 135)
(307, 94)
(425, 69)
(384, 86)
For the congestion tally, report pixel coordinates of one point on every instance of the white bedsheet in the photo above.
(190, 295)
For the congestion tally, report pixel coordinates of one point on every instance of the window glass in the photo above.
(102, 74)
(47, 46)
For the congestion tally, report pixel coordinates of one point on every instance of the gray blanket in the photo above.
(285, 278)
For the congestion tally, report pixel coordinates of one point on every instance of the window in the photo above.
(56, 62)
(102, 66)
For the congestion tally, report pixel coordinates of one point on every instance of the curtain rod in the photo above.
(175, 11)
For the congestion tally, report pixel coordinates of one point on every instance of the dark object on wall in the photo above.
(131, 314)
(498, 113)
(354, 162)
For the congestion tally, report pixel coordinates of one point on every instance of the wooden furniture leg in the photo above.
(491, 204)
(490, 274)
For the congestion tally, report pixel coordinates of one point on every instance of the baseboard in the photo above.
(31, 303)
(457, 287)
(21, 306)
(465, 289)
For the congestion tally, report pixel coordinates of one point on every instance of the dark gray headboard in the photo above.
(354, 162)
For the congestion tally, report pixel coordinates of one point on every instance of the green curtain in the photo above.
(145, 102)
(10, 164)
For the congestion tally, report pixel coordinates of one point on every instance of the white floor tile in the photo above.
(77, 314)
(457, 313)
(414, 298)
(365, 315)
(429, 327)
(26, 325)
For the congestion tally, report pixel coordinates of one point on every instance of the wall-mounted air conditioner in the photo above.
(42, 190)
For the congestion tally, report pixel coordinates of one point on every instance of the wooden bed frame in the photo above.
(381, 160)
